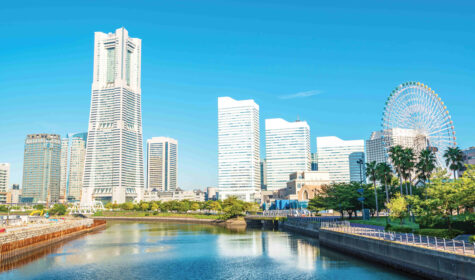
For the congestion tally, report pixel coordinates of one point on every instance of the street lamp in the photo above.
(360, 162)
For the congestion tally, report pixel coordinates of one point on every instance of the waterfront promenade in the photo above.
(422, 255)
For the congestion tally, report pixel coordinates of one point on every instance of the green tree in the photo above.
(396, 156)
(108, 205)
(384, 174)
(144, 206)
(154, 206)
(408, 163)
(127, 206)
(39, 207)
(454, 159)
(213, 205)
(58, 209)
(398, 207)
(195, 206)
(426, 165)
(371, 173)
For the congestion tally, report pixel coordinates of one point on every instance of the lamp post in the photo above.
(360, 163)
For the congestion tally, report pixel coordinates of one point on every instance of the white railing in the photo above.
(410, 239)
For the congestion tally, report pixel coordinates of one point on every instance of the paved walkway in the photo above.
(410, 239)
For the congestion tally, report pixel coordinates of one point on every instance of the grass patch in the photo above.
(382, 221)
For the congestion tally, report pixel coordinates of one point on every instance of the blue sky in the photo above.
(331, 63)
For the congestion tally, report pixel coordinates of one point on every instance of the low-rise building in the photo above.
(192, 195)
(304, 185)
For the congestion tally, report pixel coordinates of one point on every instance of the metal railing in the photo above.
(410, 239)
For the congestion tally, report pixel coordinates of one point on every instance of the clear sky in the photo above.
(331, 63)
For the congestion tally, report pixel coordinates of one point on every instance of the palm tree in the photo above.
(426, 165)
(371, 174)
(395, 154)
(384, 174)
(408, 162)
(454, 159)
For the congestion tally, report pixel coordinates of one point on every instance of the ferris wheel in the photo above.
(415, 116)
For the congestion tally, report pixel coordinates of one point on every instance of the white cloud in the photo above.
(302, 94)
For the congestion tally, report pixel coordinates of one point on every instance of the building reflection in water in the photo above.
(278, 246)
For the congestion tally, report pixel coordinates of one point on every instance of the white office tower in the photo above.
(341, 158)
(162, 154)
(114, 155)
(380, 142)
(287, 151)
(4, 181)
(238, 149)
(375, 148)
(63, 183)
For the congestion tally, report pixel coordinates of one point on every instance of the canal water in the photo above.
(135, 250)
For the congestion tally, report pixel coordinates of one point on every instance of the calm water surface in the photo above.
(129, 250)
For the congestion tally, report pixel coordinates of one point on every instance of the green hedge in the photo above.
(467, 226)
(390, 227)
(442, 233)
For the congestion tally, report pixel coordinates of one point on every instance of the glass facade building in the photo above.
(238, 149)
(340, 158)
(287, 151)
(162, 164)
(113, 169)
(41, 168)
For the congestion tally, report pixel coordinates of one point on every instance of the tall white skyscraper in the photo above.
(287, 151)
(238, 149)
(114, 155)
(162, 154)
(341, 159)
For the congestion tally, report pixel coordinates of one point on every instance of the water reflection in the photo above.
(182, 251)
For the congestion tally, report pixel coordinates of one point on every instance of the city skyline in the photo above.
(329, 107)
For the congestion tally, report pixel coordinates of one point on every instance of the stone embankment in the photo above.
(24, 241)
(425, 262)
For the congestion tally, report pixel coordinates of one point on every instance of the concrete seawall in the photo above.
(424, 262)
(16, 245)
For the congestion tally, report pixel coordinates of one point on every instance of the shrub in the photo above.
(442, 233)
(155, 213)
(147, 214)
(39, 207)
(98, 213)
(467, 226)
(471, 238)
(389, 227)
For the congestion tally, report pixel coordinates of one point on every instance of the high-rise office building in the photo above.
(4, 176)
(375, 148)
(263, 174)
(238, 149)
(287, 151)
(4, 181)
(162, 154)
(314, 165)
(113, 169)
(342, 159)
(380, 142)
(41, 168)
(77, 157)
(469, 155)
(73, 153)
(63, 184)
